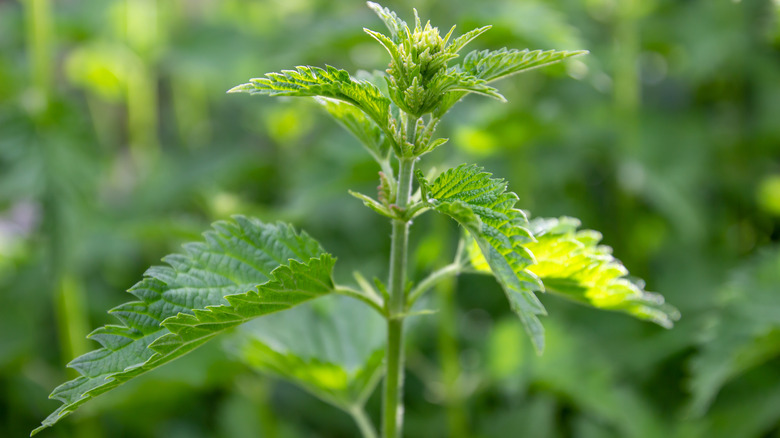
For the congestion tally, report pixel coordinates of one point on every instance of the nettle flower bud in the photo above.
(427, 46)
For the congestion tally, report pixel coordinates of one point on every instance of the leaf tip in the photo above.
(241, 88)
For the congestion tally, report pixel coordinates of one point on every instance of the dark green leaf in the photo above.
(243, 270)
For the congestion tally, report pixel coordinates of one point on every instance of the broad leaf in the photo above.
(571, 263)
(484, 208)
(745, 330)
(328, 82)
(331, 347)
(243, 270)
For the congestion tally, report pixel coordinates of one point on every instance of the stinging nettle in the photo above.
(261, 280)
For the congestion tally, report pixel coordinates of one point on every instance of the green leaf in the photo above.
(329, 82)
(395, 25)
(744, 331)
(497, 64)
(333, 348)
(460, 42)
(454, 82)
(572, 264)
(243, 270)
(490, 66)
(358, 124)
(484, 208)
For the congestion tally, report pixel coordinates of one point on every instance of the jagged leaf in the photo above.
(329, 82)
(460, 42)
(492, 65)
(244, 269)
(331, 347)
(744, 331)
(395, 25)
(453, 82)
(571, 263)
(484, 208)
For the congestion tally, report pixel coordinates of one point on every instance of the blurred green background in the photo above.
(117, 144)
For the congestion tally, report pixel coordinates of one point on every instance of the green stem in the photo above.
(392, 419)
(393, 413)
(363, 422)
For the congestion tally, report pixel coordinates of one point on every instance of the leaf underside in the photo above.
(358, 124)
(329, 82)
(244, 269)
(332, 347)
(486, 210)
(572, 264)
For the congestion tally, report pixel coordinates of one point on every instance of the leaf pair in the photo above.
(540, 255)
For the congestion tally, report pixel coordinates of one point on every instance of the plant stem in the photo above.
(363, 422)
(392, 418)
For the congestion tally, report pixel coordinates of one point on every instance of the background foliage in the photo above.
(117, 143)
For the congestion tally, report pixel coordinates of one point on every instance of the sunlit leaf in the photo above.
(572, 264)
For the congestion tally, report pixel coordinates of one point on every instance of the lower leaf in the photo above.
(244, 269)
(333, 348)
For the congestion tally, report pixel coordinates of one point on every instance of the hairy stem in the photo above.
(392, 418)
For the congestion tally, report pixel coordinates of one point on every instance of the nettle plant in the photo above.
(341, 345)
